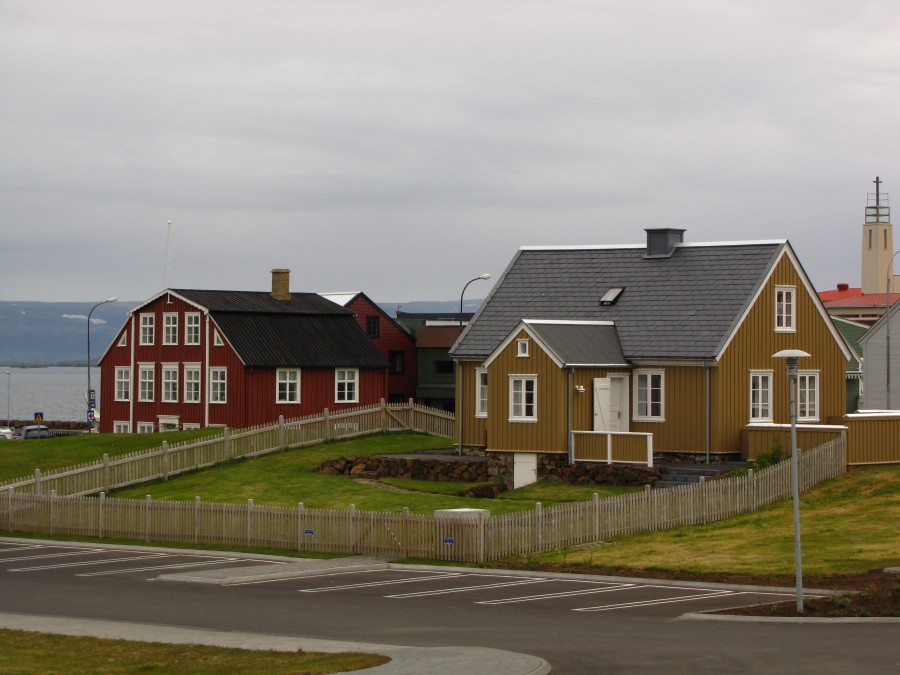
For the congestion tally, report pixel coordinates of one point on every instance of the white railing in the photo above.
(467, 537)
(621, 447)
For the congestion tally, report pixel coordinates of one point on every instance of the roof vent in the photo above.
(281, 285)
(611, 296)
(661, 242)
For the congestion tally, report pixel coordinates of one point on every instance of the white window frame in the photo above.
(643, 383)
(146, 428)
(218, 385)
(121, 428)
(287, 385)
(170, 328)
(148, 329)
(123, 341)
(522, 348)
(123, 384)
(520, 408)
(192, 383)
(147, 383)
(170, 383)
(346, 386)
(808, 396)
(190, 426)
(192, 328)
(785, 309)
(217, 339)
(481, 392)
(760, 396)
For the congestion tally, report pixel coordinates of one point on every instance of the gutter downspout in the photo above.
(570, 437)
(708, 416)
(131, 395)
(206, 374)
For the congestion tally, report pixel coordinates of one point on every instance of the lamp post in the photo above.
(887, 334)
(790, 356)
(462, 389)
(88, 395)
(8, 390)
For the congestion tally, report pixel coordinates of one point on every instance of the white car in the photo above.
(6, 433)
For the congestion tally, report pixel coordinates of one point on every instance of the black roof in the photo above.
(305, 331)
(581, 343)
(684, 306)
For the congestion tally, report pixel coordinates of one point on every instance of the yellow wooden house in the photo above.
(617, 352)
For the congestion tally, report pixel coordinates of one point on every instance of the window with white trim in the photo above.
(170, 383)
(192, 384)
(649, 395)
(522, 348)
(170, 329)
(346, 385)
(123, 341)
(785, 309)
(123, 384)
(146, 427)
(807, 396)
(218, 385)
(217, 339)
(192, 328)
(146, 383)
(523, 398)
(760, 396)
(148, 327)
(481, 392)
(288, 387)
(189, 426)
(121, 428)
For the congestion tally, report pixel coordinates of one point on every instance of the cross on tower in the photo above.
(877, 182)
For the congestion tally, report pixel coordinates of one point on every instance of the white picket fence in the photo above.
(167, 460)
(468, 536)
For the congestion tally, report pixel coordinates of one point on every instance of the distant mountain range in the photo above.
(55, 333)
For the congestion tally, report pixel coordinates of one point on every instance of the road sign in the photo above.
(90, 416)
(39, 417)
(92, 398)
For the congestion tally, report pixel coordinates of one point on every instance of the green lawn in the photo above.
(849, 525)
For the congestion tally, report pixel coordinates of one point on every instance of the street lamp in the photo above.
(8, 389)
(462, 389)
(790, 356)
(88, 397)
(887, 335)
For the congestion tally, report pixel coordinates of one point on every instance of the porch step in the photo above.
(672, 475)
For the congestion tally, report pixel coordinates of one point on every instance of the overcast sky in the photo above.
(403, 148)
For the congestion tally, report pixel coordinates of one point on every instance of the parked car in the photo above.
(6, 434)
(34, 431)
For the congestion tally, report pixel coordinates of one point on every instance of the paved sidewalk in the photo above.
(404, 660)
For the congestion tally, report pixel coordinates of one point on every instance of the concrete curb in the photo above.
(740, 618)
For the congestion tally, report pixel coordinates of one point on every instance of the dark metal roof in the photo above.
(682, 307)
(261, 302)
(281, 340)
(580, 343)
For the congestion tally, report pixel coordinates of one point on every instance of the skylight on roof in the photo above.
(612, 295)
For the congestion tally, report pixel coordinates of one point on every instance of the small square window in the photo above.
(522, 348)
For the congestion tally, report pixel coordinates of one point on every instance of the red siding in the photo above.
(390, 338)
(251, 393)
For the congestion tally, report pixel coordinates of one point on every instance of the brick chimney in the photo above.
(281, 285)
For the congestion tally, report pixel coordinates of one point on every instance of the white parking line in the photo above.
(87, 562)
(465, 589)
(561, 594)
(406, 580)
(81, 551)
(650, 603)
(218, 561)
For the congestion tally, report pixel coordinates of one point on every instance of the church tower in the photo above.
(877, 244)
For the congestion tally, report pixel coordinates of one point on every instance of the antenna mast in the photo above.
(169, 256)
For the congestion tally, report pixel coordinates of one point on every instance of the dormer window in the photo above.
(522, 348)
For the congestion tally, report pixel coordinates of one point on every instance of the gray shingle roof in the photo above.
(581, 344)
(257, 301)
(680, 307)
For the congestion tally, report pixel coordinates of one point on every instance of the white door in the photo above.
(602, 405)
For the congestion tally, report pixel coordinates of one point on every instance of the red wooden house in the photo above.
(395, 343)
(193, 358)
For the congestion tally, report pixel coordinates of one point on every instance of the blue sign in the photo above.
(90, 417)
(309, 533)
(39, 417)
(92, 398)
(449, 540)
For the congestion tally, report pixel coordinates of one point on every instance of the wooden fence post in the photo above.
(196, 519)
(52, 511)
(538, 527)
(105, 472)
(704, 501)
(595, 502)
(300, 528)
(351, 513)
(147, 518)
(249, 521)
(404, 534)
(227, 434)
(383, 417)
(413, 416)
(37, 482)
(281, 430)
(165, 460)
(327, 423)
(101, 515)
(651, 512)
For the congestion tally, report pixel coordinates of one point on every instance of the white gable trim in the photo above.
(607, 247)
(523, 325)
(156, 297)
(810, 291)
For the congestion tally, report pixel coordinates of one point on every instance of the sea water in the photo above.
(58, 393)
